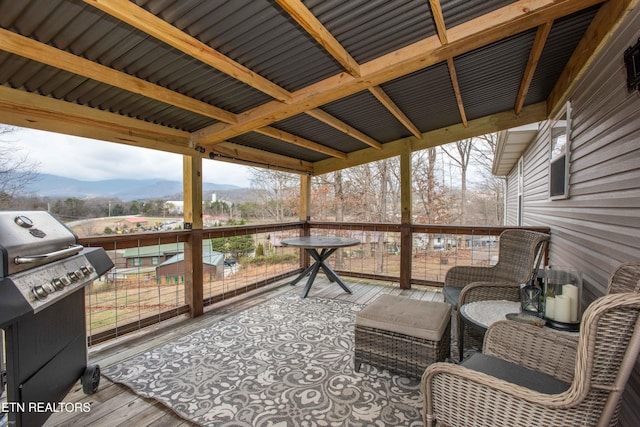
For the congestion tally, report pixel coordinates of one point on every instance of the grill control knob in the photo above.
(72, 276)
(87, 269)
(57, 283)
(39, 293)
(49, 288)
(65, 280)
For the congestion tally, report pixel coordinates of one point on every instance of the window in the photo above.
(559, 156)
(520, 189)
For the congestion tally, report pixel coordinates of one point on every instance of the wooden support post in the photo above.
(406, 237)
(192, 182)
(305, 214)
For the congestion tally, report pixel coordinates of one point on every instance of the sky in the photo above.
(92, 160)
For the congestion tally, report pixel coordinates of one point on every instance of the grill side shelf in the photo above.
(13, 305)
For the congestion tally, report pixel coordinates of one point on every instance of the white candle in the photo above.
(563, 309)
(550, 308)
(572, 292)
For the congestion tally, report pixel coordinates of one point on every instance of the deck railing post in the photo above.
(406, 235)
(194, 286)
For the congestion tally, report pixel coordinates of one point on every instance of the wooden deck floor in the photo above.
(115, 405)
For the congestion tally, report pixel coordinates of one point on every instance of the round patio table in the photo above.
(319, 248)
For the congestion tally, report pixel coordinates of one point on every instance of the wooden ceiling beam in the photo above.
(334, 122)
(307, 20)
(303, 16)
(29, 110)
(43, 53)
(482, 126)
(300, 141)
(603, 25)
(456, 91)
(534, 57)
(494, 26)
(147, 22)
(438, 18)
(385, 100)
(240, 154)
(441, 28)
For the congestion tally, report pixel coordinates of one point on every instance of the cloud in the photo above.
(92, 160)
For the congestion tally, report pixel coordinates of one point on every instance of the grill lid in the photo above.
(33, 238)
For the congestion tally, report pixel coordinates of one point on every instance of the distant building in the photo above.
(173, 269)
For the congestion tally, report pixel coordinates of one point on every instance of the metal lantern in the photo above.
(531, 298)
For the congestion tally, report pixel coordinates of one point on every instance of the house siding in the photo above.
(598, 226)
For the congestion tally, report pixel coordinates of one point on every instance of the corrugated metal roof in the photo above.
(254, 33)
(363, 111)
(312, 129)
(368, 29)
(261, 36)
(490, 77)
(563, 38)
(426, 97)
(272, 145)
(456, 12)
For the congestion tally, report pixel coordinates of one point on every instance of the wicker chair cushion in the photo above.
(415, 318)
(452, 295)
(515, 374)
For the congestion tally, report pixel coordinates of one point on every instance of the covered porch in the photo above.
(308, 88)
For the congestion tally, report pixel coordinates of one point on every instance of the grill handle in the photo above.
(71, 250)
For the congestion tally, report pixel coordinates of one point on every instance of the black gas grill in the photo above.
(43, 272)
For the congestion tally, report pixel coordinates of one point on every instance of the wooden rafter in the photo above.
(504, 22)
(147, 22)
(438, 18)
(493, 123)
(28, 48)
(532, 64)
(137, 17)
(240, 154)
(604, 23)
(436, 11)
(21, 108)
(395, 110)
(332, 121)
(300, 142)
(314, 27)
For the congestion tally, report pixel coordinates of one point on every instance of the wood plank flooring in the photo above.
(115, 405)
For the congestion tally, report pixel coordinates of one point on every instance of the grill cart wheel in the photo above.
(90, 379)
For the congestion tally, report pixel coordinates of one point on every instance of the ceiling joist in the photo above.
(28, 48)
(509, 20)
(534, 57)
(137, 17)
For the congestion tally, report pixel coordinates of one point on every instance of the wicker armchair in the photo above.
(520, 255)
(535, 376)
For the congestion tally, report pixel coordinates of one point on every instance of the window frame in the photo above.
(562, 159)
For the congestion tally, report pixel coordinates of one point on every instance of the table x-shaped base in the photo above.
(319, 257)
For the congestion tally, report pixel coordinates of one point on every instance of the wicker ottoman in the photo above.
(402, 335)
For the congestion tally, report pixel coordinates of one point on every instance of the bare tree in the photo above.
(278, 192)
(16, 169)
(460, 153)
(483, 156)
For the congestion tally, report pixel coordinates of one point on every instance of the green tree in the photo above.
(236, 246)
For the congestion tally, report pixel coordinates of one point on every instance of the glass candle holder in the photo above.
(562, 297)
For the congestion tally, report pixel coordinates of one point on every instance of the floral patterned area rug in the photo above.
(284, 362)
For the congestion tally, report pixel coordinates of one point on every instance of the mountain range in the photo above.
(54, 186)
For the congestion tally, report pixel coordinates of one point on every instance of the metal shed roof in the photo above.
(307, 86)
